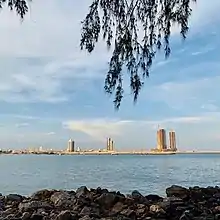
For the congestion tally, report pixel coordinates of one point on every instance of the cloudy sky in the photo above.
(50, 91)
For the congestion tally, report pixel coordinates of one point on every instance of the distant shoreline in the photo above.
(111, 153)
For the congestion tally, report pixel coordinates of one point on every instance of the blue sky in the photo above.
(50, 91)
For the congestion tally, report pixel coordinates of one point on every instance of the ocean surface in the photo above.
(25, 174)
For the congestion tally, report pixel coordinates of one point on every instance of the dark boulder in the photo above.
(178, 191)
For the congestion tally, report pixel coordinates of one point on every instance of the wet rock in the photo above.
(177, 191)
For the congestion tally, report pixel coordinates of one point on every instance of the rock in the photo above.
(33, 205)
(171, 201)
(107, 200)
(140, 211)
(177, 191)
(42, 194)
(14, 197)
(153, 198)
(118, 207)
(186, 216)
(217, 209)
(85, 218)
(136, 195)
(85, 211)
(64, 215)
(62, 199)
(37, 217)
(156, 209)
(128, 212)
(82, 191)
(26, 216)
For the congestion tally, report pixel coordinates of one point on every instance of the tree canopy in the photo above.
(135, 30)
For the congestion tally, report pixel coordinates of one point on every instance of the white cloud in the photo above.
(51, 133)
(101, 128)
(203, 51)
(98, 129)
(51, 32)
(22, 125)
(52, 28)
(191, 93)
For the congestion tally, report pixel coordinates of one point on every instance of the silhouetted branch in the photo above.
(138, 28)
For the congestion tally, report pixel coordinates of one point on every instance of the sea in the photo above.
(149, 174)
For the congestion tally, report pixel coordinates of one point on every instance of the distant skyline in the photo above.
(50, 91)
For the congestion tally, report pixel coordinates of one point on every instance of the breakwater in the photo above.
(84, 204)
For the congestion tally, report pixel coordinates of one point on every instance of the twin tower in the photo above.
(161, 141)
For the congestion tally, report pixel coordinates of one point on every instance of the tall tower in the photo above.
(110, 144)
(71, 146)
(161, 140)
(172, 139)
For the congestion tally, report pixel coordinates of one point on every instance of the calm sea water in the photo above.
(25, 174)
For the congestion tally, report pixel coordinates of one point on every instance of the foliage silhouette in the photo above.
(135, 29)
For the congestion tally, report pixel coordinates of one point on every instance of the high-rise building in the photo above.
(161, 140)
(172, 140)
(110, 145)
(71, 146)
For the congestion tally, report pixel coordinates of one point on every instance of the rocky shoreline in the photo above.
(83, 204)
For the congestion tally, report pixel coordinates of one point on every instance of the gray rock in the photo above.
(156, 209)
(118, 207)
(177, 191)
(64, 215)
(136, 195)
(42, 194)
(33, 205)
(26, 216)
(37, 217)
(85, 211)
(82, 191)
(62, 199)
(107, 200)
(153, 198)
(14, 197)
(86, 217)
(128, 212)
(140, 211)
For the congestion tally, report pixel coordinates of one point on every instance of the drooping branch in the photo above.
(20, 6)
(136, 29)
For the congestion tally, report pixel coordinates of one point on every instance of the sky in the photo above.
(51, 91)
